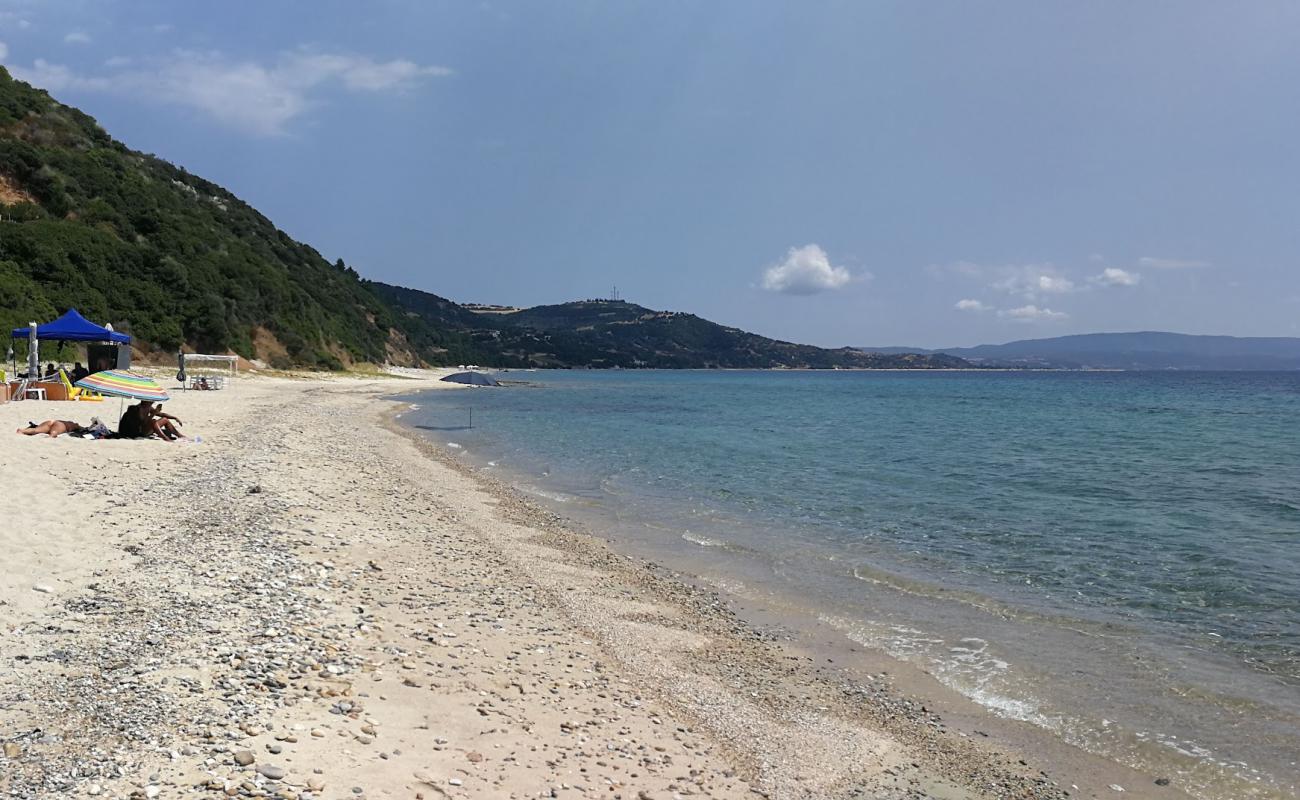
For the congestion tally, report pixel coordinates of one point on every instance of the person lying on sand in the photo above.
(54, 427)
(145, 419)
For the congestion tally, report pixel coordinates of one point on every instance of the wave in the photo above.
(929, 590)
(556, 497)
(968, 667)
(703, 541)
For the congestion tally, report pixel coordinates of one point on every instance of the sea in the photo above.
(1111, 556)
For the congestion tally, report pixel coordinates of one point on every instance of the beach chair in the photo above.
(77, 393)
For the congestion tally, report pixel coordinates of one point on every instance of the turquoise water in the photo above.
(1112, 556)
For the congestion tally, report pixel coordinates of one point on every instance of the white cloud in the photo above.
(805, 270)
(77, 37)
(362, 74)
(11, 19)
(1032, 280)
(972, 305)
(1114, 276)
(1032, 313)
(56, 77)
(260, 99)
(1054, 284)
(1170, 263)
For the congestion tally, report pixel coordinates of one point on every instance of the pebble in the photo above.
(271, 771)
(244, 757)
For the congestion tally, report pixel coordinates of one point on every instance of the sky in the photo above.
(837, 173)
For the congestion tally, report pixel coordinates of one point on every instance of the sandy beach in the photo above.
(311, 603)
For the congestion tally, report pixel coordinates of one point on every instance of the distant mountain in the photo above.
(1132, 351)
(614, 333)
(894, 351)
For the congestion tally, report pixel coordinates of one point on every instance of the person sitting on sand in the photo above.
(145, 419)
(78, 372)
(54, 427)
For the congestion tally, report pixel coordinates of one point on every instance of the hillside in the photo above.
(450, 332)
(179, 262)
(130, 239)
(615, 333)
(1136, 351)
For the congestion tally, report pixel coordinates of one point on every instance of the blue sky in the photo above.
(830, 172)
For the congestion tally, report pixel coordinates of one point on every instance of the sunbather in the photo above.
(145, 419)
(54, 427)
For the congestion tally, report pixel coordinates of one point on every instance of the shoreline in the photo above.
(860, 671)
(1125, 669)
(210, 609)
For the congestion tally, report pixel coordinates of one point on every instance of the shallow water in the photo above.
(1112, 556)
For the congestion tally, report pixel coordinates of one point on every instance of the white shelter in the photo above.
(226, 363)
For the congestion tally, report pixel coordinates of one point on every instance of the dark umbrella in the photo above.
(472, 379)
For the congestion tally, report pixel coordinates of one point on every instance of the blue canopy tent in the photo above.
(71, 327)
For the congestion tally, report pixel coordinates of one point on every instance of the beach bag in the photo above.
(96, 430)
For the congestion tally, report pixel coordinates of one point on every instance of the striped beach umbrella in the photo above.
(120, 383)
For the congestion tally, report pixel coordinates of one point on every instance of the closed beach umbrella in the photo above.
(472, 378)
(120, 383)
(33, 353)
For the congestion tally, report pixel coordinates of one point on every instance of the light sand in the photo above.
(313, 592)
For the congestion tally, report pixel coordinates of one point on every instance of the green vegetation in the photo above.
(130, 239)
(177, 261)
(613, 333)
